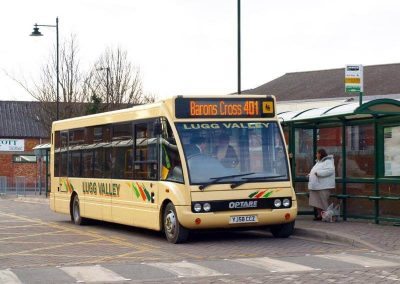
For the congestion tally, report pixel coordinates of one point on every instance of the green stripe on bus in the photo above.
(146, 192)
(267, 194)
(136, 190)
(254, 193)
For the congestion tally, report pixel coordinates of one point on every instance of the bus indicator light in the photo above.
(197, 221)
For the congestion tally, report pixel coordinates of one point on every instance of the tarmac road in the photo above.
(40, 246)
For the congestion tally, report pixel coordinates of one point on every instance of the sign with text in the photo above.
(354, 79)
(12, 145)
(224, 108)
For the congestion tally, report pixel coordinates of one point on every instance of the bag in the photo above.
(331, 214)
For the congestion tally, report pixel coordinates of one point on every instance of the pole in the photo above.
(58, 78)
(108, 91)
(47, 172)
(360, 97)
(239, 51)
(40, 175)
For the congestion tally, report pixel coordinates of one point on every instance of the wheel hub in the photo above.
(170, 223)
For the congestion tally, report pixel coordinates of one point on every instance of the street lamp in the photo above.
(238, 47)
(36, 32)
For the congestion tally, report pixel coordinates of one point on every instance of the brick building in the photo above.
(20, 132)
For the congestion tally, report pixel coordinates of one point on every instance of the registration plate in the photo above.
(243, 219)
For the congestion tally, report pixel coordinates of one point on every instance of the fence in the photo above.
(21, 185)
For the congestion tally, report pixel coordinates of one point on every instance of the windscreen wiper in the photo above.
(263, 178)
(217, 179)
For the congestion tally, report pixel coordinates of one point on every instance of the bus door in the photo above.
(61, 186)
(143, 186)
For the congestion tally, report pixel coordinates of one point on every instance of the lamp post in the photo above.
(36, 32)
(107, 81)
(238, 47)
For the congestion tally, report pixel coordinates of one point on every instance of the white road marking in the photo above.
(92, 274)
(186, 269)
(359, 260)
(8, 277)
(273, 265)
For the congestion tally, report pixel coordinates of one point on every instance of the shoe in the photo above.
(317, 219)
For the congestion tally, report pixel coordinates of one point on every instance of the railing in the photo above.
(21, 185)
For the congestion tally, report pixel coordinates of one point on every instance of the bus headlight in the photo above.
(197, 207)
(286, 202)
(277, 203)
(206, 207)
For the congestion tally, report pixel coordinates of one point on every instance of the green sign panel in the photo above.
(353, 89)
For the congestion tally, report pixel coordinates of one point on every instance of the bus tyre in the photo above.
(173, 230)
(76, 212)
(282, 230)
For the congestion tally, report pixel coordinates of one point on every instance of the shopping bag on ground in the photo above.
(331, 214)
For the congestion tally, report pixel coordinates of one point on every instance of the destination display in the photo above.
(224, 108)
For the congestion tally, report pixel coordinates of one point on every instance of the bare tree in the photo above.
(116, 81)
(45, 89)
(112, 83)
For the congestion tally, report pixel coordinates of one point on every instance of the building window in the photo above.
(391, 150)
(24, 158)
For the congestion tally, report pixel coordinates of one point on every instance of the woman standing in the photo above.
(321, 181)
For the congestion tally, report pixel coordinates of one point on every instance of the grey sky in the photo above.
(189, 46)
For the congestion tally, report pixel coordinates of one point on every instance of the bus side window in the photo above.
(57, 154)
(145, 151)
(171, 167)
(121, 145)
(64, 154)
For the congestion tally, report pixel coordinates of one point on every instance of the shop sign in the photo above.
(12, 145)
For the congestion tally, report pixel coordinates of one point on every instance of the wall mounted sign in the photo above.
(12, 145)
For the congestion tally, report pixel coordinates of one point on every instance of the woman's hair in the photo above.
(322, 152)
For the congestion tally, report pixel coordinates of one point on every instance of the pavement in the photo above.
(358, 233)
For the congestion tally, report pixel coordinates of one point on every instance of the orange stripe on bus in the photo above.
(141, 192)
(260, 194)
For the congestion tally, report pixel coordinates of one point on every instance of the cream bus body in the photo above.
(158, 187)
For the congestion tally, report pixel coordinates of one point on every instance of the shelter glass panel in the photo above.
(391, 150)
(304, 151)
(330, 139)
(361, 206)
(360, 151)
(302, 198)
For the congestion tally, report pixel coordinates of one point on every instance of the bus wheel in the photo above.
(174, 232)
(76, 213)
(282, 230)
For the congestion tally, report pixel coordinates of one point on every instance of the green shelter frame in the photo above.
(366, 135)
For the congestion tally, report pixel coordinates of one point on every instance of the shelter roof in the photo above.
(378, 107)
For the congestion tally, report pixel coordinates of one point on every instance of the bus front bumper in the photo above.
(235, 219)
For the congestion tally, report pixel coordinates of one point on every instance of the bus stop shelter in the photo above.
(42, 151)
(365, 142)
